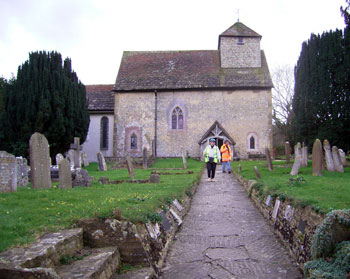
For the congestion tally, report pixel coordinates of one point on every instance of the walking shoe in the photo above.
(209, 179)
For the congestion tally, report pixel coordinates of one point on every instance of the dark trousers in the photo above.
(211, 166)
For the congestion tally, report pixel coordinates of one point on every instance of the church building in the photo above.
(173, 102)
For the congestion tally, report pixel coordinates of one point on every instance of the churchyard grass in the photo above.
(323, 193)
(29, 213)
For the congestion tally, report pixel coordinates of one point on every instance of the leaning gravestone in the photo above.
(145, 159)
(84, 159)
(328, 155)
(76, 147)
(257, 173)
(297, 159)
(8, 172)
(317, 158)
(342, 157)
(130, 166)
(22, 171)
(338, 166)
(64, 173)
(102, 166)
(59, 157)
(268, 158)
(287, 151)
(39, 161)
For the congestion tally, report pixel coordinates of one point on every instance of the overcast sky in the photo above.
(94, 33)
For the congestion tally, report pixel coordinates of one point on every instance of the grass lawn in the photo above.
(323, 193)
(29, 213)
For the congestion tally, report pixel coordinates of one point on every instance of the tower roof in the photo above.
(239, 30)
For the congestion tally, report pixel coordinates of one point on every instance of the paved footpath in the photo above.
(225, 236)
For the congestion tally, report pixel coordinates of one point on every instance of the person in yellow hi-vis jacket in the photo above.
(212, 156)
(226, 156)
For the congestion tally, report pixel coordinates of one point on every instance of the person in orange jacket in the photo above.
(226, 156)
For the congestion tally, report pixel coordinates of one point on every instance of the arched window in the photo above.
(104, 133)
(177, 119)
(133, 141)
(252, 142)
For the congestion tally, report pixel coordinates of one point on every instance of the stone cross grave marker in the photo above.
(257, 173)
(297, 159)
(268, 158)
(39, 161)
(76, 147)
(145, 159)
(22, 171)
(184, 160)
(130, 166)
(287, 151)
(84, 159)
(342, 157)
(102, 166)
(8, 172)
(328, 155)
(64, 174)
(317, 158)
(338, 166)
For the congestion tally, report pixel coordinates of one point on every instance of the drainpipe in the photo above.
(155, 122)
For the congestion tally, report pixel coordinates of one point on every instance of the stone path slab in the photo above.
(225, 236)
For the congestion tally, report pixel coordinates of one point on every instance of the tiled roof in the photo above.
(199, 69)
(239, 30)
(100, 97)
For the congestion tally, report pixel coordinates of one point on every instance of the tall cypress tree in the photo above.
(46, 97)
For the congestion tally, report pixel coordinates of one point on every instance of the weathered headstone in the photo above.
(184, 160)
(177, 205)
(317, 158)
(240, 168)
(328, 155)
(102, 166)
(275, 209)
(81, 178)
(304, 156)
(338, 166)
(297, 159)
(342, 157)
(154, 178)
(76, 152)
(22, 171)
(176, 217)
(8, 172)
(70, 157)
(145, 159)
(268, 158)
(64, 173)
(257, 173)
(287, 151)
(268, 200)
(289, 213)
(130, 166)
(59, 157)
(39, 161)
(84, 159)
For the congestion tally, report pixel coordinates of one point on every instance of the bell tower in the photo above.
(239, 47)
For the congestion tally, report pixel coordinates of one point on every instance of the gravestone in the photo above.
(22, 171)
(64, 173)
(145, 159)
(275, 209)
(76, 147)
(84, 159)
(81, 178)
(289, 213)
(39, 161)
(268, 200)
(8, 172)
(240, 168)
(297, 159)
(304, 155)
(70, 157)
(59, 157)
(154, 178)
(342, 157)
(176, 217)
(165, 222)
(338, 166)
(287, 151)
(102, 166)
(268, 158)
(257, 173)
(177, 205)
(130, 166)
(328, 155)
(184, 160)
(317, 158)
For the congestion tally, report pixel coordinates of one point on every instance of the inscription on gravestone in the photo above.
(39, 161)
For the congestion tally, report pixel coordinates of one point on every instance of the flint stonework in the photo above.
(317, 158)
(64, 173)
(39, 161)
(328, 155)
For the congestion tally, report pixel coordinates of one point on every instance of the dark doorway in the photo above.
(219, 142)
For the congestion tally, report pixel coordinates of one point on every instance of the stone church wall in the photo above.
(240, 112)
